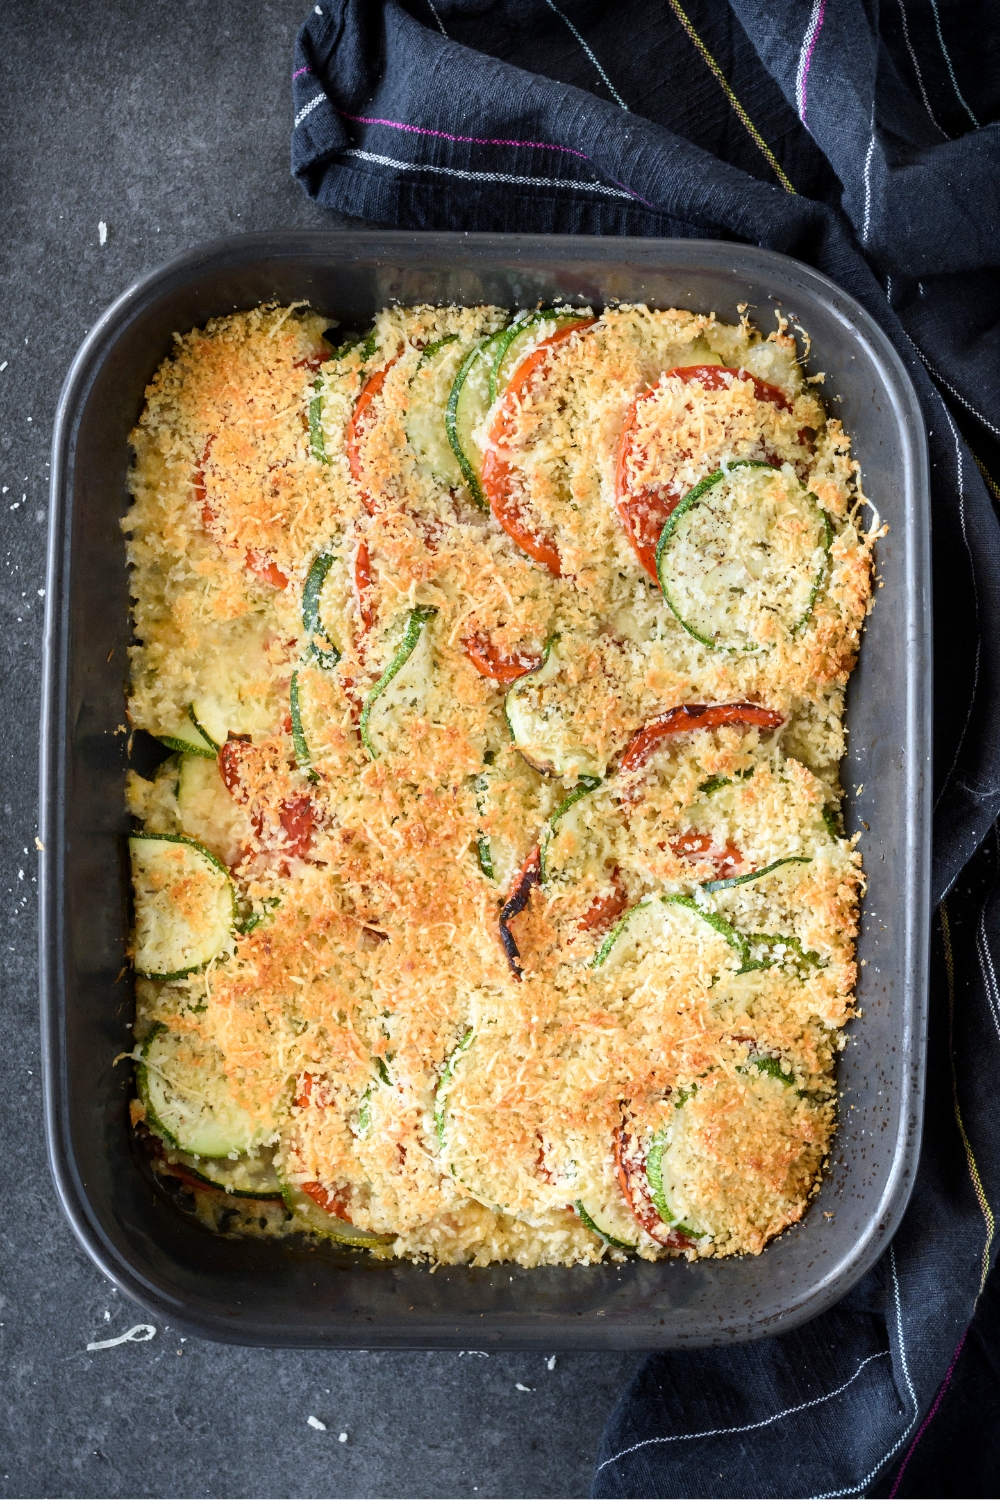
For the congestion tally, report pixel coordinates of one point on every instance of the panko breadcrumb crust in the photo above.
(376, 951)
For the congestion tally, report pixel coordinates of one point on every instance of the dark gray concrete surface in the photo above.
(169, 121)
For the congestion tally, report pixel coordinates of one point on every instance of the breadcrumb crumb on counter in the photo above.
(492, 897)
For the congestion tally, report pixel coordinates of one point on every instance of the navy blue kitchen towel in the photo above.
(861, 137)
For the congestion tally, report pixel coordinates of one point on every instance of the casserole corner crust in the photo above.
(492, 900)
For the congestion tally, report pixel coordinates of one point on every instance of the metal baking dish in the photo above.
(289, 1293)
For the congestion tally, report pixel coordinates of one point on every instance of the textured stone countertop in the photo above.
(169, 123)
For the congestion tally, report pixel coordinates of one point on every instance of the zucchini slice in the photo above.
(585, 785)
(662, 1184)
(187, 1098)
(597, 1195)
(185, 905)
(189, 738)
(474, 1147)
(407, 698)
(468, 403)
(539, 729)
(671, 924)
(216, 712)
(743, 557)
(595, 1228)
(246, 1177)
(319, 1221)
(320, 647)
(430, 388)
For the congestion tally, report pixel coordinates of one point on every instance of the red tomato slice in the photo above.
(489, 662)
(690, 716)
(499, 481)
(334, 1202)
(304, 1085)
(699, 846)
(603, 910)
(631, 1169)
(232, 757)
(713, 378)
(313, 362)
(362, 586)
(297, 817)
(266, 569)
(362, 420)
(208, 516)
(644, 513)
(541, 1165)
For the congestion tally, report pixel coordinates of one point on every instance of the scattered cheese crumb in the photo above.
(342, 1438)
(520, 1387)
(139, 1333)
(315, 1422)
(102, 233)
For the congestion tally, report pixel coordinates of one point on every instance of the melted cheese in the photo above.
(371, 943)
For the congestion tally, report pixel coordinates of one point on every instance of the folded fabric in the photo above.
(864, 142)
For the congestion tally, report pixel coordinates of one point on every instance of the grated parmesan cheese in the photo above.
(687, 1074)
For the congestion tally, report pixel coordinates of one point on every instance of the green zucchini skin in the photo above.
(657, 1190)
(484, 351)
(303, 758)
(754, 941)
(317, 442)
(734, 880)
(485, 855)
(213, 744)
(326, 656)
(595, 1228)
(444, 1083)
(318, 1221)
(364, 1104)
(503, 343)
(415, 623)
(744, 944)
(152, 1119)
(432, 349)
(771, 1066)
(528, 731)
(688, 503)
(198, 743)
(510, 336)
(584, 786)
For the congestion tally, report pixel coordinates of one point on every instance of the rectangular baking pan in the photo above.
(290, 1293)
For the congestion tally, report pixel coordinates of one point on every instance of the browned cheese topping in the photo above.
(543, 942)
